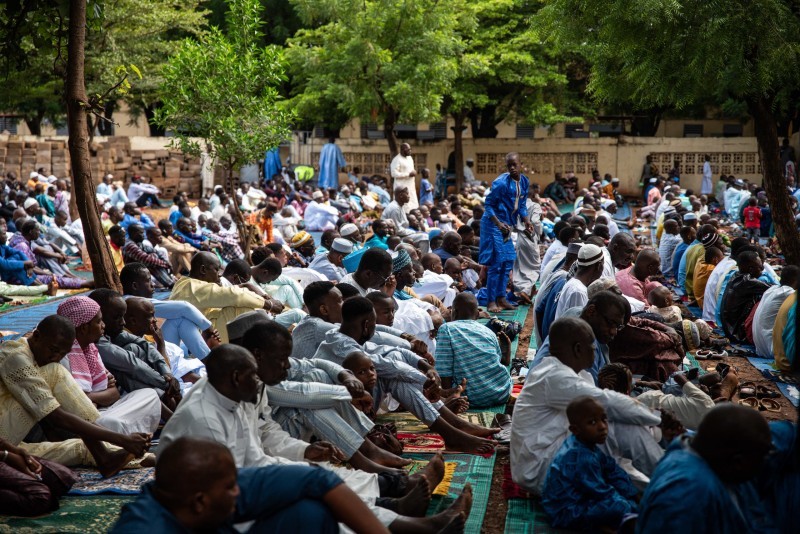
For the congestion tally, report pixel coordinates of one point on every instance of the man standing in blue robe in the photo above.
(505, 206)
(331, 160)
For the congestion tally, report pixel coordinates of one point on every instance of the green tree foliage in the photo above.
(389, 61)
(35, 55)
(665, 53)
(223, 90)
(507, 72)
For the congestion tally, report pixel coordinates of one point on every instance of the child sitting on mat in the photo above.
(585, 489)
(660, 300)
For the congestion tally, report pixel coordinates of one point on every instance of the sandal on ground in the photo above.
(763, 392)
(750, 402)
(747, 390)
(771, 405)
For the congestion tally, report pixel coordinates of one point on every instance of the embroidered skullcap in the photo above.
(574, 248)
(316, 195)
(710, 239)
(34, 174)
(345, 246)
(607, 203)
(691, 334)
(690, 217)
(30, 202)
(589, 255)
(669, 211)
(400, 260)
(675, 203)
(601, 284)
(300, 238)
(348, 229)
(653, 180)
(703, 328)
(79, 310)
(739, 182)
(245, 322)
(615, 180)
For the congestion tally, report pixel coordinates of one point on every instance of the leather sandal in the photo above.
(750, 402)
(747, 389)
(763, 392)
(770, 405)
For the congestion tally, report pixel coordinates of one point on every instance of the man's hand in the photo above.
(354, 386)
(365, 403)
(136, 444)
(390, 286)
(112, 382)
(419, 347)
(25, 464)
(211, 336)
(28, 265)
(432, 389)
(155, 331)
(322, 451)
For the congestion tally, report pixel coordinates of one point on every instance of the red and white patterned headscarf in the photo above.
(84, 363)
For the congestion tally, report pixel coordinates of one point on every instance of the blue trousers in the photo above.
(497, 279)
(183, 322)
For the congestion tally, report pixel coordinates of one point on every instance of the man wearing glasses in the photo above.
(606, 313)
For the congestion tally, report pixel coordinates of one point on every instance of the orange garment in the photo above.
(263, 223)
(702, 271)
(608, 190)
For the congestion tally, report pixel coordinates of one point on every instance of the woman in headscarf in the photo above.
(137, 411)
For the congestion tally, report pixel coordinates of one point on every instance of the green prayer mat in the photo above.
(476, 470)
(85, 514)
(406, 422)
(526, 516)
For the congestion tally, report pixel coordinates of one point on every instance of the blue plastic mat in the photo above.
(765, 364)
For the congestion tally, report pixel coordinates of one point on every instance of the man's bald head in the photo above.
(139, 315)
(189, 473)
(572, 342)
(734, 441)
(205, 266)
(451, 242)
(465, 306)
(432, 262)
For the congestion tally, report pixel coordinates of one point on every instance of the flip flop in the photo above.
(764, 392)
(770, 405)
(750, 402)
(747, 390)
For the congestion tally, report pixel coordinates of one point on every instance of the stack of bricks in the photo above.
(169, 170)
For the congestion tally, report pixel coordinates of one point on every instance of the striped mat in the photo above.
(526, 516)
(469, 468)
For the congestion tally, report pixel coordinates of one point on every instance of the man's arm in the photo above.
(123, 361)
(131, 250)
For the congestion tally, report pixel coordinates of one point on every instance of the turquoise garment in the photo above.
(585, 489)
(789, 334)
(377, 242)
(331, 160)
(686, 496)
(47, 204)
(402, 295)
(682, 268)
(680, 251)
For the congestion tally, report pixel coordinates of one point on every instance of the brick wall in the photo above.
(167, 168)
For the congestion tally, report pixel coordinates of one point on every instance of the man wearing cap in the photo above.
(404, 175)
(607, 209)
(469, 176)
(330, 264)
(706, 186)
(590, 268)
(351, 232)
(302, 245)
(553, 278)
(706, 237)
(319, 215)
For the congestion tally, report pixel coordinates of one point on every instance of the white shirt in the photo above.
(689, 408)
(138, 189)
(613, 227)
(574, 293)
(349, 279)
(469, 176)
(609, 271)
(320, 216)
(401, 166)
(540, 424)
(764, 318)
(710, 294)
(438, 285)
(556, 247)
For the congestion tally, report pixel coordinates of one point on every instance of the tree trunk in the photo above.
(774, 182)
(458, 139)
(389, 122)
(245, 232)
(35, 124)
(105, 273)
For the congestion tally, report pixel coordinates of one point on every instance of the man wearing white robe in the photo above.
(767, 311)
(206, 413)
(404, 175)
(320, 216)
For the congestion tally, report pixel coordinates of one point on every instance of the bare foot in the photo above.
(381, 456)
(52, 288)
(456, 525)
(459, 509)
(457, 404)
(475, 430)
(505, 304)
(148, 460)
(463, 442)
(113, 462)
(415, 502)
(433, 473)
(493, 308)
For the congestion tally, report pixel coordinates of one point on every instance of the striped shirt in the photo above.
(467, 349)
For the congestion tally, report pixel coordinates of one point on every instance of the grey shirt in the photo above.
(134, 362)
